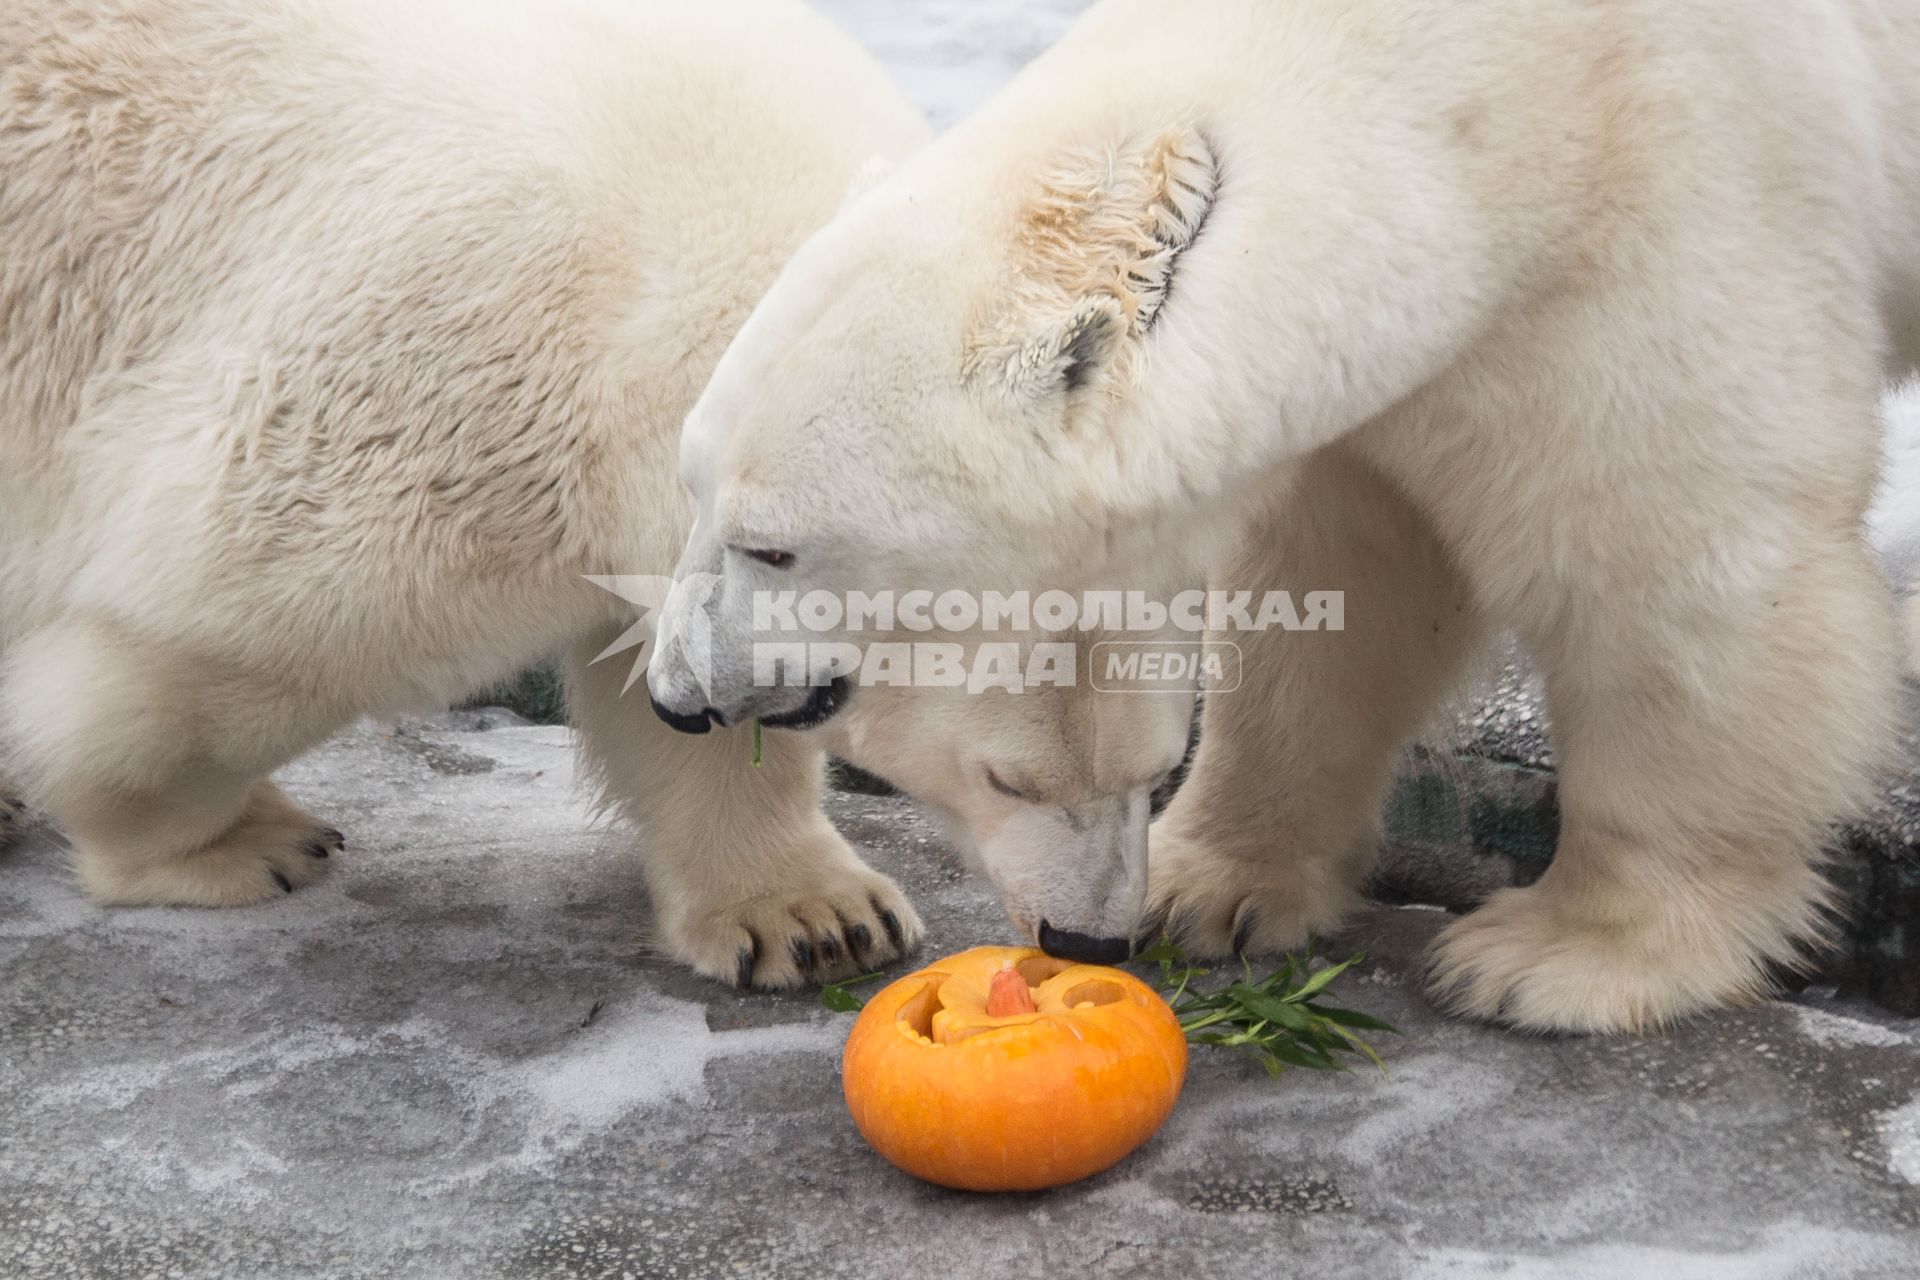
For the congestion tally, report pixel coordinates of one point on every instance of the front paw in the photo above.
(828, 921)
(275, 848)
(1546, 960)
(1214, 905)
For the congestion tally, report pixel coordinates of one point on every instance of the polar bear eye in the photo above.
(778, 559)
(1005, 788)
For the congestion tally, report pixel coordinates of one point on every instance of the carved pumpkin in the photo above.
(1004, 1069)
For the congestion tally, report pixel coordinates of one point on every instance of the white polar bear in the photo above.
(1563, 318)
(338, 340)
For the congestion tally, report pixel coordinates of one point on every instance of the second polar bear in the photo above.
(1568, 319)
(338, 340)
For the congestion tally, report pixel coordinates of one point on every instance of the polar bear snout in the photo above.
(680, 699)
(1082, 949)
(685, 721)
(1074, 877)
(677, 692)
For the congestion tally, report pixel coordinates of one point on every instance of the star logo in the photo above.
(676, 608)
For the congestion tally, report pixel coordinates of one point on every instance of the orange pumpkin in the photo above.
(1004, 1069)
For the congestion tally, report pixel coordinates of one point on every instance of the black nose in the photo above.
(694, 722)
(1083, 948)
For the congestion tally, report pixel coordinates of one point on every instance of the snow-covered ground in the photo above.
(456, 1056)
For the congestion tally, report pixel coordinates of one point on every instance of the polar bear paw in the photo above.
(831, 920)
(1214, 905)
(1528, 959)
(275, 848)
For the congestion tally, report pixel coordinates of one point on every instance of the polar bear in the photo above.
(338, 340)
(1564, 319)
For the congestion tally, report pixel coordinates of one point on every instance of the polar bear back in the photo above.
(293, 286)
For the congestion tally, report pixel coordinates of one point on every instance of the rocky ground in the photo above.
(457, 1056)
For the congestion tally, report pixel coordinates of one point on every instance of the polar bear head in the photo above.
(932, 398)
(1047, 790)
(935, 395)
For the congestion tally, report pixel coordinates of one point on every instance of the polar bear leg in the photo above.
(205, 840)
(749, 881)
(1694, 805)
(1272, 836)
(110, 739)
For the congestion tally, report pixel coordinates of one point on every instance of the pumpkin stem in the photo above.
(1008, 993)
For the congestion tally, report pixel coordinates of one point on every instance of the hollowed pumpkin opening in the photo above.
(916, 1015)
(1037, 969)
(1099, 991)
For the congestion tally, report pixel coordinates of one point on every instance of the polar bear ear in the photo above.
(1069, 354)
(1095, 252)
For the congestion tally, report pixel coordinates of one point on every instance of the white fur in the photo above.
(338, 340)
(1568, 319)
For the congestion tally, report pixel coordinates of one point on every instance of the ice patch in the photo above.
(1427, 1093)
(648, 1058)
(1900, 1135)
(1833, 1030)
(651, 1055)
(1788, 1251)
(236, 1179)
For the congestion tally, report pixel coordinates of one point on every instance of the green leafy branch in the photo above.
(1284, 1019)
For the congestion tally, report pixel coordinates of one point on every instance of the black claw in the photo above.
(895, 934)
(286, 885)
(830, 950)
(858, 940)
(317, 849)
(802, 951)
(1249, 917)
(749, 959)
(335, 837)
(1177, 925)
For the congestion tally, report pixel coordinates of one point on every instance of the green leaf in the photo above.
(1282, 977)
(1300, 1055)
(1162, 952)
(1348, 1018)
(836, 997)
(1272, 1008)
(1271, 1018)
(1318, 982)
(1363, 1047)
